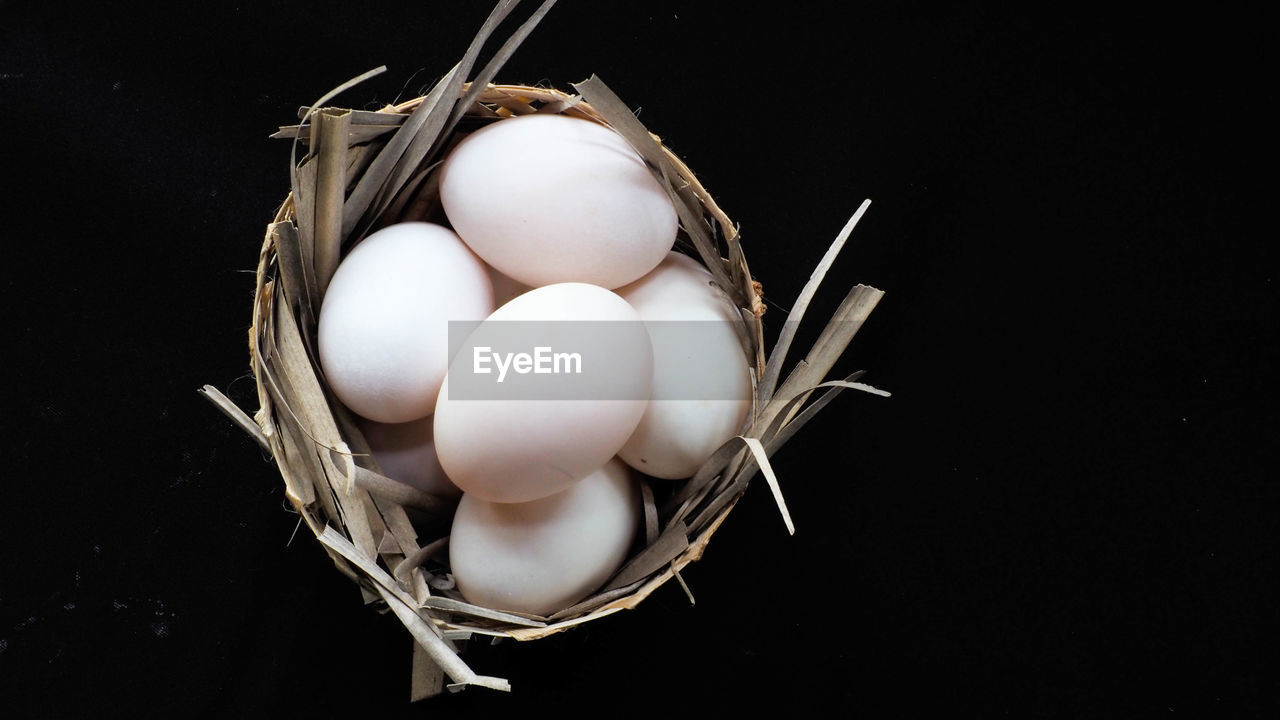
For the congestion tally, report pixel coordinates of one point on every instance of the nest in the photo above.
(364, 170)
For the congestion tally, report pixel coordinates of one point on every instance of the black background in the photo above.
(1067, 508)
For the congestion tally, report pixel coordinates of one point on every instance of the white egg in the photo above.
(540, 432)
(549, 198)
(406, 452)
(695, 346)
(542, 556)
(383, 329)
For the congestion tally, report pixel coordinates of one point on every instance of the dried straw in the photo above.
(363, 170)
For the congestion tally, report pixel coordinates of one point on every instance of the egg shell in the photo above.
(550, 198)
(406, 452)
(542, 556)
(676, 436)
(383, 329)
(517, 450)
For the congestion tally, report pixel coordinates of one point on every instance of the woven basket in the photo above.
(392, 539)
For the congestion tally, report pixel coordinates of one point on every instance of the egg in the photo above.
(550, 198)
(507, 435)
(406, 452)
(701, 379)
(383, 327)
(542, 556)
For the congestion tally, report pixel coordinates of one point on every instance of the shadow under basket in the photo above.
(364, 170)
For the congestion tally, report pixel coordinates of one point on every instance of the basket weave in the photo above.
(391, 539)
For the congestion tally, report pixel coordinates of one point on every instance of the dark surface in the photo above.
(1067, 509)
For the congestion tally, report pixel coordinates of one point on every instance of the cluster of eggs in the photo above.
(552, 218)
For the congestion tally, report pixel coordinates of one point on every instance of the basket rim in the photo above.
(504, 97)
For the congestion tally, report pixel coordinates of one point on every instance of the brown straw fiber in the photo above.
(363, 170)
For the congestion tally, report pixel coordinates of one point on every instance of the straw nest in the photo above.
(363, 170)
